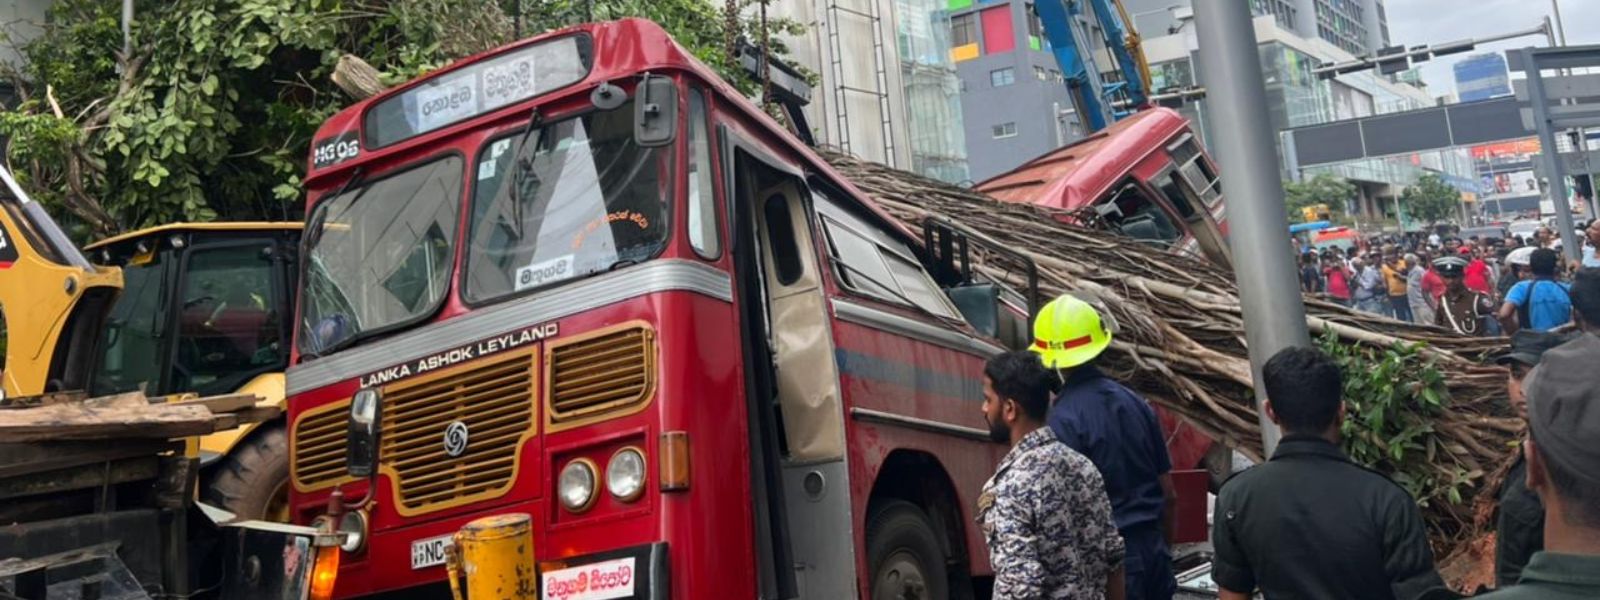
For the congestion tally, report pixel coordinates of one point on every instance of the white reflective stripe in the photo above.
(649, 278)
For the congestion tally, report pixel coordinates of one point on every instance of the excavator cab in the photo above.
(206, 309)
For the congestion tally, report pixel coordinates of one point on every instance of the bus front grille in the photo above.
(600, 375)
(317, 454)
(455, 436)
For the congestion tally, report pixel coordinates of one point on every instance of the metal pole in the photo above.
(1551, 156)
(1555, 7)
(1274, 313)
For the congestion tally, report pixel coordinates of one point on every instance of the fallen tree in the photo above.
(1423, 406)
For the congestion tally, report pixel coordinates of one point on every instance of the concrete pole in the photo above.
(1269, 293)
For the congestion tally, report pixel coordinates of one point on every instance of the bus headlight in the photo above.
(625, 474)
(354, 527)
(576, 485)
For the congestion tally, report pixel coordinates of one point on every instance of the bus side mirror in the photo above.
(362, 433)
(655, 111)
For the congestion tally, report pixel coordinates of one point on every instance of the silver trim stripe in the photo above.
(874, 416)
(652, 277)
(861, 314)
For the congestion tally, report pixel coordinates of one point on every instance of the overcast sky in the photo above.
(1415, 22)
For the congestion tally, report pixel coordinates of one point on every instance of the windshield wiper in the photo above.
(522, 168)
(314, 227)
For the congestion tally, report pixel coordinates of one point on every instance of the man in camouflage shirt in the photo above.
(1045, 514)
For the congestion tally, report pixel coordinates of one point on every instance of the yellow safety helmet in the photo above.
(1069, 332)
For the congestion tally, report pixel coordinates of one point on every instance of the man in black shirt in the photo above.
(1519, 528)
(1310, 523)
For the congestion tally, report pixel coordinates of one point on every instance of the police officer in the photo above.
(1461, 309)
(1119, 433)
(1310, 523)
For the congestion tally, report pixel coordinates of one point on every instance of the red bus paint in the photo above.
(908, 386)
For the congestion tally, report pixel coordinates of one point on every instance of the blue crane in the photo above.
(1071, 34)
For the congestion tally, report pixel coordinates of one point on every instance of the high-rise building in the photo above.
(1355, 26)
(888, 91)
(1482, 76)
(1014, 99)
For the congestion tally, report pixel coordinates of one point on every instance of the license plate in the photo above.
(430, 552)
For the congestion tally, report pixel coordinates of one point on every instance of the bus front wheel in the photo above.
(904, 554)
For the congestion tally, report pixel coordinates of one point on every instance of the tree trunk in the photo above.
(357, 78)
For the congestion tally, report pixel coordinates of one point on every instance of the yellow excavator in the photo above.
(197, 308)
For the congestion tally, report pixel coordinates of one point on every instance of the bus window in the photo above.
(383, 262)
(702, 197)
(1172, 186)
(780, 232)
(872, 263)
(1196, 171)
(1140, 217)
(587, 199)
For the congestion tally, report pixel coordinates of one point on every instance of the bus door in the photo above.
(800, 493)
(1190, 208)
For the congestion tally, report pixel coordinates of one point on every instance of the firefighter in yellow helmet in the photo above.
(1118, 431)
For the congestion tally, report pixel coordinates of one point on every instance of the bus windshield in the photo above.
(572, 198)
(378, 256)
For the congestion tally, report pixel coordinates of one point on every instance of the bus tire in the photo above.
(904, 554)
(252, 481)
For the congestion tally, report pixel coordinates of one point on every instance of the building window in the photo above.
(964, 30)
(1004, 130)
(1002, 77)
(1035, 26)
(1039, 72)
(1056, 75)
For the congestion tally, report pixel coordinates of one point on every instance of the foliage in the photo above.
(1320, 189)
(1392, 397)
(1430, 199)
(211, 113)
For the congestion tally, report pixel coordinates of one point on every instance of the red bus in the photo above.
(1145, 176)
(581, 277)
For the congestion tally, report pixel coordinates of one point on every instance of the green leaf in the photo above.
(208, 86)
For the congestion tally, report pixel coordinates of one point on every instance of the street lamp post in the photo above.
(1555, 8)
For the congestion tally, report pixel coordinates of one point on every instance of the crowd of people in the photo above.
(1081, 506)
(1471, 286)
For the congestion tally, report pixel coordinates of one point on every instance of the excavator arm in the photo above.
(1072, 27)
(54, 301)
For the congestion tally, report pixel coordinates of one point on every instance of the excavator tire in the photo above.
(252, 481)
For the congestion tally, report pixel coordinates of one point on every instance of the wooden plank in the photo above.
(254, 414)
(37, 457)
(221, 404)
(80, 477)
(43, 399)
(116, 417)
